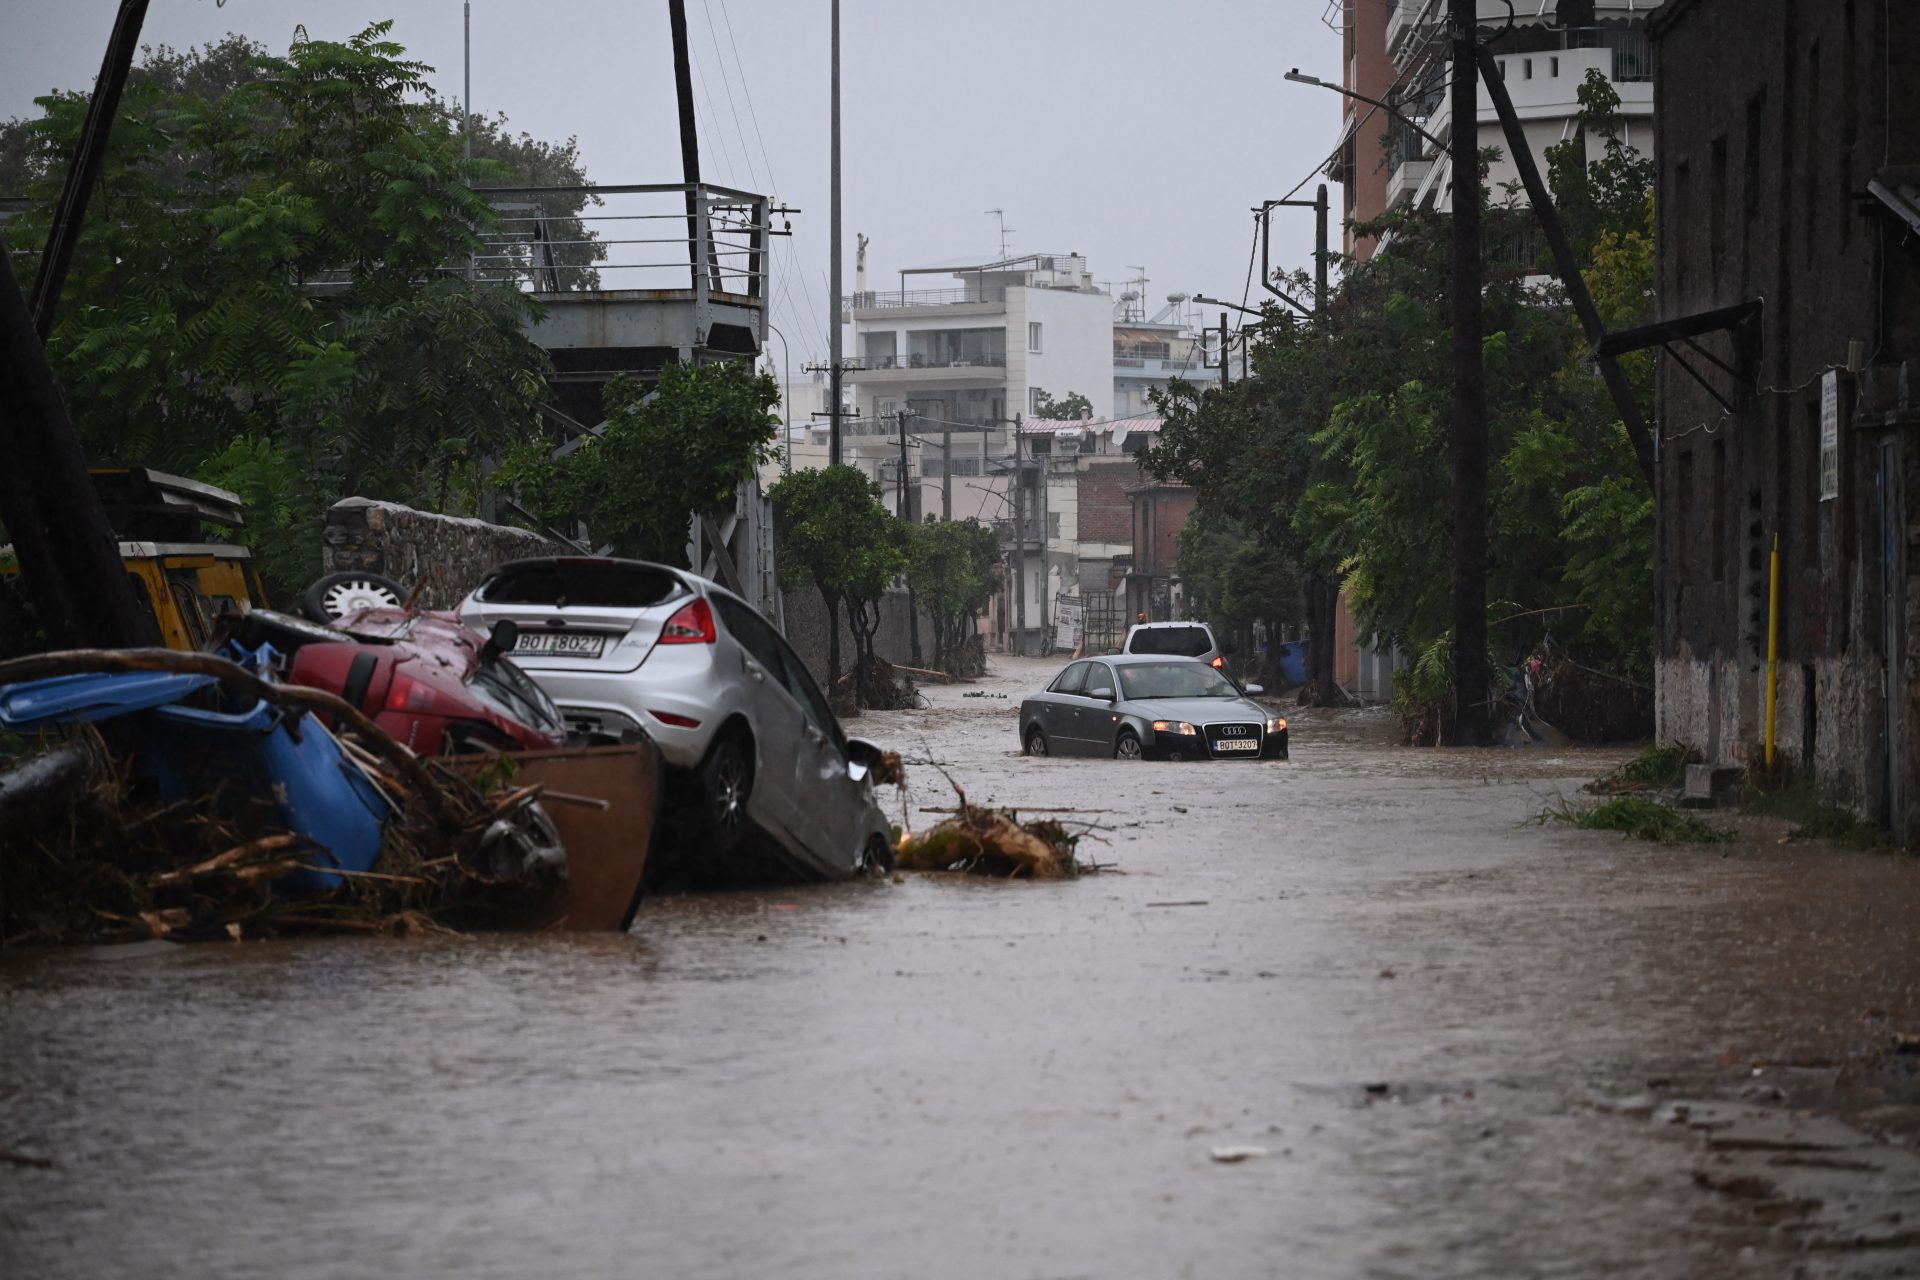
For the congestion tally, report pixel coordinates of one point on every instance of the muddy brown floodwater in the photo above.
(1460, 1043)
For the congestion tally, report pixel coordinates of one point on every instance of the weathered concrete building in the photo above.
(1789, 392)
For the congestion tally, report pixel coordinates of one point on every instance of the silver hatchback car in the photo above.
(628, 648)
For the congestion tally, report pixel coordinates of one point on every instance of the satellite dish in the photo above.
(1176, 298)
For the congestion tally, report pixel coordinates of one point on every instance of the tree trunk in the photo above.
(833, 640)
(1323, 600)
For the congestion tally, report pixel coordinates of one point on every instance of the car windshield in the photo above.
(605, 583)
(1173, 680)
(1188, 642)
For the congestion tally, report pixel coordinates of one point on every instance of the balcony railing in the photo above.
(1143, 350)
(986, 360)
(873, 300)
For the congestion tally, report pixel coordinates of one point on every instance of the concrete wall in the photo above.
(806, 630)
(451, 552)
(1076, 346)
(1759, 169)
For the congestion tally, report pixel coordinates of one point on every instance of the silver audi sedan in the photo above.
(628, 648)
(1149, 707)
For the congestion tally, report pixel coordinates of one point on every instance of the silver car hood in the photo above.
(1194, 710)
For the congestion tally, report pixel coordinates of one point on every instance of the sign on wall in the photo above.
(1830, 435)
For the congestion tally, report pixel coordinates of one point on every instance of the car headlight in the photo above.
(1173, 726)
(1276, 724)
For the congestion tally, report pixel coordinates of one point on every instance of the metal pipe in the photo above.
(833, 230)
(1773, 646)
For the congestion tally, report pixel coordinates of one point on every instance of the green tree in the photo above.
(837, 537)
(953, 567)
(1070, 407)
(263, 277)
(680, 449)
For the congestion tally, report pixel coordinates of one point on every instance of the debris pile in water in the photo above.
(91, 851)
(994, 842)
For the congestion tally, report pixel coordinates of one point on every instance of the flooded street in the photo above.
(1455, 1037)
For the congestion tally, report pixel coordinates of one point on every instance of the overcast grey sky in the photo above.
(1136, 132)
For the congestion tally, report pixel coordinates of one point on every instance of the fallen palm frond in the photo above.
(1640, 819)
(1658, 768)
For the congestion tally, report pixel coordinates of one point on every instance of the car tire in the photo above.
(726, 781)
(1127, 746)
(339, 594)
(879, 859)
(1036, 742)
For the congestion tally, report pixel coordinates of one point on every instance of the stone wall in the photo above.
(806, 618)
(451, 552)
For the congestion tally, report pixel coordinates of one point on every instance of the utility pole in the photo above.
(1320, 253)
(833, 230)
(946, 472)
(1020, 542)
(1469, 395)
(69, 558)
(1225, 377)
(1569, 268)
(906, 508)
(689, 136)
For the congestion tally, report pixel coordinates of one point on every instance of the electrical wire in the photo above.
(746, 91)
(726, 85)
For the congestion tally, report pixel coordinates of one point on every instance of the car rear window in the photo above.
(1186, 642)
(604, 583)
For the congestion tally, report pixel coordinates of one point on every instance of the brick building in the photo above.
(1789, 286)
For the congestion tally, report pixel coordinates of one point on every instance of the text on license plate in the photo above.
(560, 644)
(1236, 744)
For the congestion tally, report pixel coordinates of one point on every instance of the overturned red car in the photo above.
(426, 678)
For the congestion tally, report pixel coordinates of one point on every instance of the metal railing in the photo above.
(555, 240)
(983, 360)
(875, 300)
(1143, 350)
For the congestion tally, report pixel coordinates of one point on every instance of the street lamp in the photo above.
(786, 403)
(1295, 76)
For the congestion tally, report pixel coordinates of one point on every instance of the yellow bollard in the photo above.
(1773, 646)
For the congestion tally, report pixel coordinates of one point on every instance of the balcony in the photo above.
(990, 297)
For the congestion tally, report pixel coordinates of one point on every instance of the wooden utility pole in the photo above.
(689, 133)
(833, 230)
(1569, 268)
(1019, 541)
(69, 558)
(906, 507)
(1469, 395)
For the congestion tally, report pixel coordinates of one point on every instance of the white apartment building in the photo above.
(1149, 352)
(963, 359)
(1543, 60)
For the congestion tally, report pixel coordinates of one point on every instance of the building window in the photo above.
(1033, 335)
(1553, 67)
(1526, 68)
(1033, 399)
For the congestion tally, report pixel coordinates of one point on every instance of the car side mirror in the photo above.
(501, 639)
(865, 758)
(1103, 693)
(1256, 688)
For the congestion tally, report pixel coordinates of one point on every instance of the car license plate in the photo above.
(559, 644)
(1236, 744)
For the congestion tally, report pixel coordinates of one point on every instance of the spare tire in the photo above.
(339, 594)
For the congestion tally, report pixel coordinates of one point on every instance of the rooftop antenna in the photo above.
(1001, 215)
(1139, 279)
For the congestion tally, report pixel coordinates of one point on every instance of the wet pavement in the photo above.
(1455, 1042)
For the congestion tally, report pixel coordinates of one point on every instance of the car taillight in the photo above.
(1219, 663)
(408, 694)
(692, 625)
(677, 721)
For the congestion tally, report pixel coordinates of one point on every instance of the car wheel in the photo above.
(879, 859)
(1036, 742)
(1127, 747)
(339, 594)
(726, 780)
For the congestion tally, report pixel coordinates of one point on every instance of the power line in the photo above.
(720, 139)
(726, 85)
(747, 91)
